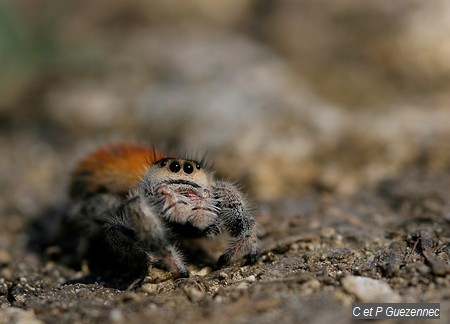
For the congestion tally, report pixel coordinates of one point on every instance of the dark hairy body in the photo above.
(135, 204)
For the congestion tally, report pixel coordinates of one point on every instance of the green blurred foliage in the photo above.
(27, 49)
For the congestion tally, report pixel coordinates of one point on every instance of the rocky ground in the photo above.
(314, 247)
(344, 151)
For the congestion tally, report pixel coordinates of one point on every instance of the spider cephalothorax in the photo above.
(171, 197)
(181, 192)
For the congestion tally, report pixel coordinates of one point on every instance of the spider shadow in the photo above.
(54, 238)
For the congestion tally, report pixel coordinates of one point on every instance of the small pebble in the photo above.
(194, 294)
(20, 298)
(370, 290)
(242, 286)
(156, 275)
(116, 315)
(251, 278)
(223, 275)
(202, 272)
(149, 288)
(328, 232)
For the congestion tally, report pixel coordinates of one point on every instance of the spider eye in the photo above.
(188, 168)
(174, 166)
(163, 163)
(198, 166)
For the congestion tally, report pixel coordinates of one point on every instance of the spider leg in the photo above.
(135, 238)
(236, 217)
(85, 218)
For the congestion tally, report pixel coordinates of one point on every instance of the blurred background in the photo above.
(285, 96)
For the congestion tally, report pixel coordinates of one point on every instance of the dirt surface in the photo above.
(333, 116)
(311, 249)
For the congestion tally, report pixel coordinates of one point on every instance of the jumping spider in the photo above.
(136, 202)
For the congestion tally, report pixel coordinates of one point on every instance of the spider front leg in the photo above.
(136, 237)
(236, 217)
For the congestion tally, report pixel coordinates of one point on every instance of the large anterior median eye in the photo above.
(188, 168)
(175, 166)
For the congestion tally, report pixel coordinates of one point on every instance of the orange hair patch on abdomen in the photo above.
(113, 168)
